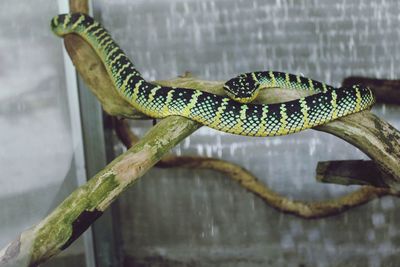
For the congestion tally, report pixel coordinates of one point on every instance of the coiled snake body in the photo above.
(231, 115)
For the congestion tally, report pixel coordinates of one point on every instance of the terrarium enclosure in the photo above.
(214, 199)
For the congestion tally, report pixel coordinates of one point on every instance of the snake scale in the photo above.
(231, 114)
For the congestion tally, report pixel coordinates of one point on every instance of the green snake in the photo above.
(231, 114)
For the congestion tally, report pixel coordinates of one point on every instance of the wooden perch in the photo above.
(376, 138)
(65, 223)
(350, 172)
(93, 72)
(79, 6)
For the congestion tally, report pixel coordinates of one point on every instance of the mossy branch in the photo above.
(75, 214)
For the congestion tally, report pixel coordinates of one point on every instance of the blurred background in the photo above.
(53, 136)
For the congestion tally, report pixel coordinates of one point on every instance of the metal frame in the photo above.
(90, 157)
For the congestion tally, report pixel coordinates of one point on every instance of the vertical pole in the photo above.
(77, 135)
(90, 151)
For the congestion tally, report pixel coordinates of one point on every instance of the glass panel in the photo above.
(181, 217)
(37, 152)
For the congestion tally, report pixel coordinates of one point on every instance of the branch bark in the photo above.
(350, 172)
(79, 6)
(95, 76)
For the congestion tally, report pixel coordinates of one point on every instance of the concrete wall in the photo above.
(185, 218)
(37, 150)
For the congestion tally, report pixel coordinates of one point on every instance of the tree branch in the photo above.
(79, 6)
(350, 172)
(95, 76)
(376, 138)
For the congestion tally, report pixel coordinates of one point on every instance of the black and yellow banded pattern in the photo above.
(231, 115)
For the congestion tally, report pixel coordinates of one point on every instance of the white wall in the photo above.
(179, 218)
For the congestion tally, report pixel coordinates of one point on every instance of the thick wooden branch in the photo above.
(96, 77)
(76, 213)
(376, 138)
(350, 172)
(79, 6)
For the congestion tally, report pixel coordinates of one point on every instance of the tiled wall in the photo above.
(37, 162)
(217, 39)
(186, 218)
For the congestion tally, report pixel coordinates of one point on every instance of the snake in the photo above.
(233, 113)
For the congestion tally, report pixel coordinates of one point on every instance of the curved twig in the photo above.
(306, 210)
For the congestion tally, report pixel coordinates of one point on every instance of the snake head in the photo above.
(242, 88)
